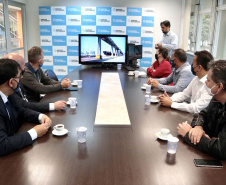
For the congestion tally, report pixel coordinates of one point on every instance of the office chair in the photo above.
(51, 74)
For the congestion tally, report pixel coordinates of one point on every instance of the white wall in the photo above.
(165, 10)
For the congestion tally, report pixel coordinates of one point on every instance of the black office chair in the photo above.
(51, 74)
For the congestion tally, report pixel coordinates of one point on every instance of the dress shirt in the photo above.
(195, 93)
(169, 41)
(32, 131)
(180, 77)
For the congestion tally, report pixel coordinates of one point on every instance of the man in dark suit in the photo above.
(20, 95)
(35, 82)
(12, 115)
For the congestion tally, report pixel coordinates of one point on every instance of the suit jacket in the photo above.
(9, 140)
(38, 83)
(36, 106)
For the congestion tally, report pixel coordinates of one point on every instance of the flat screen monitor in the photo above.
(138, 51)
(100, 49)
(131, 51)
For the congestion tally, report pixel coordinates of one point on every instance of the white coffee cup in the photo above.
(79, 83)
(119, 66)
(81, 134)
(172, 145)
(72, 101)
(165, 132)
(136, 73)
(59, 127)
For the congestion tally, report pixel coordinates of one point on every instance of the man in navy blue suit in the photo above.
(13, 115)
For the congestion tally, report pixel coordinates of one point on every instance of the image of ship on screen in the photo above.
(105, 49)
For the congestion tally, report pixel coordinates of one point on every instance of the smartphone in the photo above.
(208, 163)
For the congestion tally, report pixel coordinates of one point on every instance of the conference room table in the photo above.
(112, 155)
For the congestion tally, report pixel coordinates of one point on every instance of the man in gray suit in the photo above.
(20, 96)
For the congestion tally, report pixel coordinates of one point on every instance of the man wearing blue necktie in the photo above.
(13, 115)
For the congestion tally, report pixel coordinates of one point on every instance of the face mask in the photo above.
(192, 70)
(209, 91)
(17, 89)
(172, 63)
(41, 64)
(156, 56)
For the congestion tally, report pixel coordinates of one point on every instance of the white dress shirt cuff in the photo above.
(51, 106)
(33, 134)
(40, 117)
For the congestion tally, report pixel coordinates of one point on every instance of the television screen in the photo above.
(138, 51)
(102, 49)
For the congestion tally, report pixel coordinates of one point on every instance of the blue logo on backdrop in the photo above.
(72, 50)
(103, 11)
(147, 21)
(73, 30)
(118, 20)
(89, 20)
(45, 31)
(73, 10)
(44, 68)
(145, 62)
(103, 29)
(60, 60)
(58, 19)
(133, 31)
(47, 50)
(59, 40)
(134, 11)
(71, 68)
(44, 10)
(147, 41)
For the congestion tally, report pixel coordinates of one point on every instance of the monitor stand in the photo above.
(104, 65)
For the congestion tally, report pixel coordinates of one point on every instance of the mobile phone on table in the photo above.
(208, 163)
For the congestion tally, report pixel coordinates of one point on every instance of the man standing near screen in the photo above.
(169, 39)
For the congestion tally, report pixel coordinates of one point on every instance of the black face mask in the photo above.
(192, 70)
(156, 56)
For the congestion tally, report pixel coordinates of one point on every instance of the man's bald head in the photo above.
(18, 58)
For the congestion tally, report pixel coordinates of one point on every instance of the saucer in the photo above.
(63, 132)
(68, 103)
(143, 87)
(154, 99)
(130, 74)
(74, 84)
(141, 73)
(159, 136)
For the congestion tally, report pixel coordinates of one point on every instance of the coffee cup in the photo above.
(79, 83)
(165, 132)
(72, 101)
(136, 73)
(119, 66)
(59, 127)
(81, 134)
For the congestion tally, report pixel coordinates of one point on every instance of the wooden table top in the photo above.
(112, 155)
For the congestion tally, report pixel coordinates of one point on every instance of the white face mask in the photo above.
(209, 91)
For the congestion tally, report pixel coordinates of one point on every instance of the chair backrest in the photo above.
(190, 57)
(51, 74)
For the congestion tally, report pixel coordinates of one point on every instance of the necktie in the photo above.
(11, 116)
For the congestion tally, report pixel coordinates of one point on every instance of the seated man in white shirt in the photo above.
(195, 93)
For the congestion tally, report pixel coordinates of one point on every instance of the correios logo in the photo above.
(44, 9)
(73, 30)
(45, 30)
(146, 42)
(88, 30)
(134, 10)
(72, 40)
(74, 9)
(58, 20)
(61, 70)
(103, 31)
(73, 51)
(46, 40)
(133, 21)
(47, 51)
(118, 20)
(88, 20)
(146, 62)
(45, 20)
(59, 30)
(89, 9)
(119, 10)
(73, 60)
(119, 31)
(73, 20)
(148, 10)
(133, 31)
(59, 9)
(59, 60)
(59, 51)
(59, 40)
(103, 10)
(47, 61)
(147, 31)
(134, 42)
(103, 20)
(148, 21)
